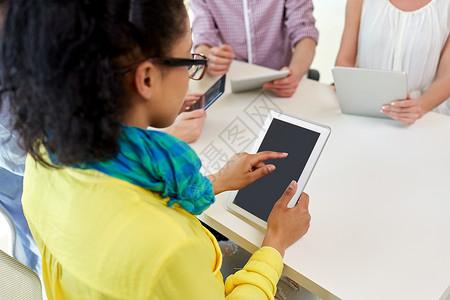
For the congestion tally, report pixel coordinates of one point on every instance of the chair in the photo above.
(17, 281)
(313, 74)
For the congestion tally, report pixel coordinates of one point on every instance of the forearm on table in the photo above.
(437, 93)
(302, 57)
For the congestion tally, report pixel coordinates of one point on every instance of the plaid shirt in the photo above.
(274, 28)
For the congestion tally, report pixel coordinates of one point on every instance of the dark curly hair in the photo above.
(63, 62)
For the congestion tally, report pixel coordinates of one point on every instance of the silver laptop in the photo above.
(364, 91)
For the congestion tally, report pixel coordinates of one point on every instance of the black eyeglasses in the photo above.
(196, 65)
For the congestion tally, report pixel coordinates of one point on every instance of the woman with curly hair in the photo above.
(112, 205)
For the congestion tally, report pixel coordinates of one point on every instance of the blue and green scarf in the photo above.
(162, 163)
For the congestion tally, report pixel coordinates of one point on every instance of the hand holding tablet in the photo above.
(284, 87)
(248, 83)
(365, 91)
(304, 141)
(287, 225)
(261, 183)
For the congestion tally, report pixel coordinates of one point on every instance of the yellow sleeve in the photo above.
(259, 277)
(186, 274)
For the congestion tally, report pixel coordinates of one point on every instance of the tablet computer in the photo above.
(211, 95)
(364, 91)
(303, 141)
(244, 84)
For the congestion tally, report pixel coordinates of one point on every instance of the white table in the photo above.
(379, 195)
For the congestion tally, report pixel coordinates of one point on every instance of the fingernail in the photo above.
(393, 103)
(292, 184)
(270, 168)
(284, 154)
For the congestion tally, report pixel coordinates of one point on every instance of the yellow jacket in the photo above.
(104, 238)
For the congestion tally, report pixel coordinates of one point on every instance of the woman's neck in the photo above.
(409, 5)
(136, 117)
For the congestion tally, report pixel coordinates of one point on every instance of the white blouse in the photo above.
(393, 39)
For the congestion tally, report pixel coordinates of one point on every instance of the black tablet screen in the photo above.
(259, 197)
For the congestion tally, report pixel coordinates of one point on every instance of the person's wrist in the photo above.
(423, 107)
(217, 183)
(271, 241)
(296, 74)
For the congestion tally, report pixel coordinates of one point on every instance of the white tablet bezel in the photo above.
(324, 132)
(249, 83)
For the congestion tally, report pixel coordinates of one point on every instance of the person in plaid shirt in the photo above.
(274, 34)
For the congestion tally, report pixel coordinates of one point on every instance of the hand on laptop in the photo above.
(287, 225)
(219, 60)
(243, 169)
(406, 111)
(284, 87)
